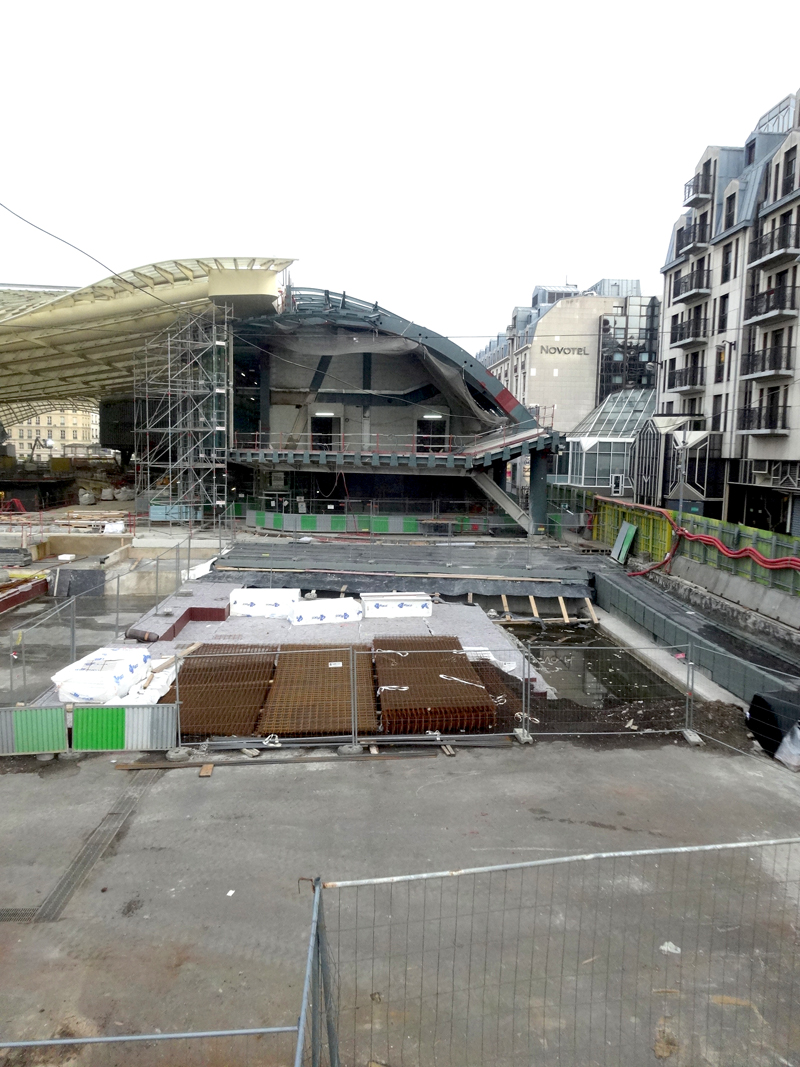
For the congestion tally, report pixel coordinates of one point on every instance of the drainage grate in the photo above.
(17, 915)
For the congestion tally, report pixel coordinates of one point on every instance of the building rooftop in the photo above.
(620, 415)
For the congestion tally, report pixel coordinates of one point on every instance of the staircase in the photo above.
(501, 497)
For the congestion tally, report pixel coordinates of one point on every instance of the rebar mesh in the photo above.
(690, 956)
(311, 692)
(427, 683)
(506, 692)
(222, 689)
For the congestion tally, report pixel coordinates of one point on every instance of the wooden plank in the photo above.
(590, 609)
(469, 597)
(505, 605)
(166, 766)
(342, 591)
(563, 606)
(206, 770)
(534, 609)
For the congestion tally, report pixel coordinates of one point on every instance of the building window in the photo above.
(62, 422)
(63, 435)
(74, 435)
(727, 262)
(74, 422)
(722, 321)
(669, 407)
(749, 153)
(719, 365)
(775, 182)
(789, 163)
(730, 210)
(716, 412)
(30, 434)
(49, 420)
(21, 432)
(736, 258)
(38, 421)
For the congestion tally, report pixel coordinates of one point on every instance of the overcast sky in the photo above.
(440, 157)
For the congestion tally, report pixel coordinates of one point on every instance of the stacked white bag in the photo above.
(264, 603)
(103, 676)
(336, 610)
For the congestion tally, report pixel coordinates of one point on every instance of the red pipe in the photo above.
(783, 563)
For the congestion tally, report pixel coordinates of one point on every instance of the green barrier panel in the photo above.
(39, 730)
(308, 522)
(338, 523)
(99, 729)
(410, 524)
(261, 518)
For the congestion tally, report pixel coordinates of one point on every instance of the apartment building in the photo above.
(61, 432)
(570, 349)
(729, 333)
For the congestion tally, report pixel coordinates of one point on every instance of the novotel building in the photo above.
(570, 349)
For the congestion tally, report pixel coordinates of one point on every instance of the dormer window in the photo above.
(730, 210)
(749, 153)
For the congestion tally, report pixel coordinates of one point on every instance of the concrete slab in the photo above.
(153, 940)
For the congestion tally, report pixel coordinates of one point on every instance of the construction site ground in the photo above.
(194, 917)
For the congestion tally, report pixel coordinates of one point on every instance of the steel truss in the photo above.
(181, 391)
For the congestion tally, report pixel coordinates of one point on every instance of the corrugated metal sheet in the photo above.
(6, 730)
(40, 730)
(98, 729)
(151, 728)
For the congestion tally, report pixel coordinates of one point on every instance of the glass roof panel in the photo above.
(621, 414)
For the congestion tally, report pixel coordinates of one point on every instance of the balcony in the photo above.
(697, 191)
(694, 286)
(776, 246)
(693, 331)
(687, 380)
(772, 305)
(692, 239)
(773, 362)
(766, 418)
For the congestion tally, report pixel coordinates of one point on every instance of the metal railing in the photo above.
(783, 237)
(699, 185)
(606, 957)
(695, 234)
(691, 329)
(764, 417)
(781, 298)
(694, 280)
(380, 443)
(693, 377)
(775, 359)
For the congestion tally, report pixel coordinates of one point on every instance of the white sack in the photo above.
(789, 749)
(114, 527)
(397, 605)
(264, 603)
(103, 676)
(315, 612)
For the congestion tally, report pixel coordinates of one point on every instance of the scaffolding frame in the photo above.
(181, 421)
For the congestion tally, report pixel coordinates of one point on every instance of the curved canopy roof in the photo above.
(83, 342)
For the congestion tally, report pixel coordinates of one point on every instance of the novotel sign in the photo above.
(553, 350)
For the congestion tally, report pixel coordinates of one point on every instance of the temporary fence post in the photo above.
(189, 552)
(157, 562)
(24, 669)
(72, 632)
(327, 984)
(117, 627)
(689, 680)
(177, 566)
(11, 664)
(316, 1007)
(177, 703)
(353, 697)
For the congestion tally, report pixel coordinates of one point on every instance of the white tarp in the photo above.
(314, 612)
(102, 676)
(396, 605)
(264, 603)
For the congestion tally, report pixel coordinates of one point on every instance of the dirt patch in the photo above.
(724, 722)
(610, 716)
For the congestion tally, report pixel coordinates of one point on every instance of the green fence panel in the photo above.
(410, 524)
(98, 729)
(261, 518)
(338, 523)
(40, 730)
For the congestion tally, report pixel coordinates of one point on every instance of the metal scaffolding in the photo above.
(181, 390)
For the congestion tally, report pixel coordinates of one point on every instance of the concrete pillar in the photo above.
(538, 496)
(263, 396)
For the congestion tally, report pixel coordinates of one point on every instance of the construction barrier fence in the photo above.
(614, 959)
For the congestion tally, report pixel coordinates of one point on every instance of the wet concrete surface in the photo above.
(154, 939)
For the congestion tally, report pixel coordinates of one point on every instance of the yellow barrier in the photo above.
(654, 538)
